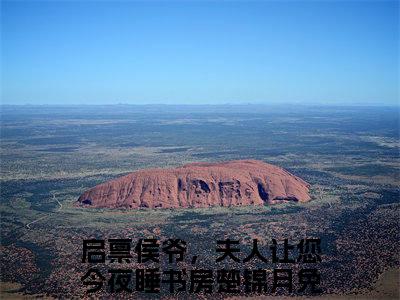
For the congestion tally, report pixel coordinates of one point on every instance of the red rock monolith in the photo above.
(231, 183)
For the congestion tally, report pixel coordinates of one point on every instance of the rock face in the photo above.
(232, 183)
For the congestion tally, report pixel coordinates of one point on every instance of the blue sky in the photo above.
(317, 52)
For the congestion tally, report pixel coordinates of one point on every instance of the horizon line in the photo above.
(211, 104)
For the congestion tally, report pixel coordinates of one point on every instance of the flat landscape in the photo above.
(51, 154)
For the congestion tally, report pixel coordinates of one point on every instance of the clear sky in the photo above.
(89, 52)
